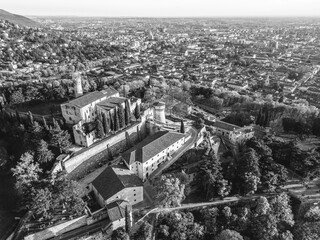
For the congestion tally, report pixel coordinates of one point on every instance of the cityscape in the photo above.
(159, 128)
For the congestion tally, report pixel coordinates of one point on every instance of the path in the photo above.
(195, 205)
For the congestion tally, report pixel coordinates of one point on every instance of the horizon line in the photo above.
(226, 16)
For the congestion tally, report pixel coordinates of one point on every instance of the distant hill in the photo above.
(17, 19)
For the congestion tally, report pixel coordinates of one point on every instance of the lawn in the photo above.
(40, 108)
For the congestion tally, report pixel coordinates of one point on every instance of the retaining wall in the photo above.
(116, 143)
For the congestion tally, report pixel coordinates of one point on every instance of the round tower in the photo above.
(77, 85)
(159, 112)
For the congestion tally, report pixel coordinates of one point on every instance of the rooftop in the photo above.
(91, 97)
(116, 210)
(224, 125)
(151, 146)
(159, 104)
(111, 102)
(86, 99)
(114, 179)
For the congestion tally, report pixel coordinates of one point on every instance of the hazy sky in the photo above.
(164, 8)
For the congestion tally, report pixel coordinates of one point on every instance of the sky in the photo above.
(164, 8)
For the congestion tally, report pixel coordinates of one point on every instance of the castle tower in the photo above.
(159, 112)
(77, 85)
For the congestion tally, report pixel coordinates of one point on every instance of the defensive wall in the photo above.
(116, 143)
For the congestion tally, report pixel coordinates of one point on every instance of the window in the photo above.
(134, 194)
(134, 190)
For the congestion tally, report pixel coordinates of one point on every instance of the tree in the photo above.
(121, 116)
(56, 125)
(110, 157)
(273, 174)
(313, 214)
(99, 129)
(60, 139)
(30, 118)
(199, 123)
(248, 171)
(112, 126)
(210, 177)
(186, 85)
(18, 117)
(226, 216)
(281, 209)
(105, 122)
(116, 120)
(223, 188)
(128, 140)
(307, 231)
(263, 206)
(119, 234)
(68, 194)
(4, 157)
(26, 172)
(264, 227)
(128, 219)
(169, 191)
(17, 97)
(55, 194)
(179, 225)
(42, 204)
(31, 93)
(144, 232)
(182, 127)
(45, 125)
(209, 216)
(34, 135)
(127, 113)
(43, 154)
(137, 111)
(196, 232)
(229, 235)
(251, 183)
(287, 235)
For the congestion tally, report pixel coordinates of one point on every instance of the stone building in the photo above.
(117, 183)
(144, 158)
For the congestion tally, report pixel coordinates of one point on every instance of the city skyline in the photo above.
(166, 8)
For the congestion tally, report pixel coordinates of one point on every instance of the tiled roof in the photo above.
(86, 99)
(116, 210)
(91, 97)
(151, 146)
(114, 179)
(224, 125)
(112, 102)
(109, 92)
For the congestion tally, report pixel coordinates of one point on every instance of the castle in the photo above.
(83, 112)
